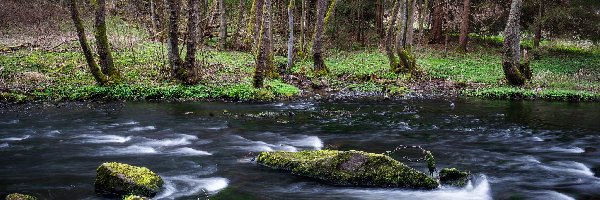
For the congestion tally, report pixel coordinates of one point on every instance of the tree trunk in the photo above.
(187, 73)
(257, 21)
(240, 19)
(464, 26)
(438, 20)
(538, 28)
(389, 49)
(319, 63)
(85, 47)
(330, 13)
(153, 19)
(222, 25)
(516, 74)
(173, 44)
(422, 10)
(103, 47)
(410, 26)
(379, 19)
(264, 56)
(303, 29)
(290, 44)
(404, 50)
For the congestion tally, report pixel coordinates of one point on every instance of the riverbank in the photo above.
(561, 73)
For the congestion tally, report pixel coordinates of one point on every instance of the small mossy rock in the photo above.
(134, 197)
(123, 179)
(17, 196)
(454, 177)
(354, 168)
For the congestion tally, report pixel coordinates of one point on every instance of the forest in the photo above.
(261, 51)
(299, 99)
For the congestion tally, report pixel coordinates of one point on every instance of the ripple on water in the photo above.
(133, 149)
(185, 185)
(182, 140)
(4, 145)
(548, 194)
(187, 151)
(283, 143)
(15, 138)
(98, 139)
(473, 191)
(142, 128)
(569, 167)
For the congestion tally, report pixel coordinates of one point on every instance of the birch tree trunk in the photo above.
(303, 29)
(85, 47)
(464, 26)
(319, 63)
(103, 46)
(515, 72)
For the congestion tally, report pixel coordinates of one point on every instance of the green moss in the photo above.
(134, 197)
(120, 179)
(355, 168)
(453, 176)
(17, 196)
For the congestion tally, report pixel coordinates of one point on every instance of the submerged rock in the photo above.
(123, 179)
(354, 168)
(17, 196)
(596, 171)
(455, 177)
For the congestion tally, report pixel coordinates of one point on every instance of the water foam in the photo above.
(3, 145)
(190, 152)
(142, 128)
(185, 185)
(569, 167)
(183, 140)
(133, 149)
(480, 191)
(14, 121)
(308, 141)
(98, 139)
(15, 138)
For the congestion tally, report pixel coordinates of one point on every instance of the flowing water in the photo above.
(529, 150)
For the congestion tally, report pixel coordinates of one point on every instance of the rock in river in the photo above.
(455, 177)
(17, 196)
(354, 168)
(123, 179)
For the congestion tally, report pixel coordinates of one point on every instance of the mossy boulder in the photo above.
(454, 177)
(123, 179)
(134, 197)
(17, 196)
(355, 168)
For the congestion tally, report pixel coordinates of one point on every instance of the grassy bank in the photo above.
(61, 74)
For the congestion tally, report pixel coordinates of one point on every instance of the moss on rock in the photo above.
(123, 179)
(134, 197)
(455, 177)
(354, 168)
(17, 196)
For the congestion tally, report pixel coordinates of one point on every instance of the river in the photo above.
(514, 149)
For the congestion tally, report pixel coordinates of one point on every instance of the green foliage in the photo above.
(453, 176)
(282, 89)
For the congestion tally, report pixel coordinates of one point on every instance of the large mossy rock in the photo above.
(454, 177)
(123, 179)
(354, 168)
(17, 196)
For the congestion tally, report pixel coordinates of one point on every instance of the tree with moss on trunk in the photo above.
(222, 25)
(464, 26)
(319, 63)
(389, 48)
(183, 71)
(516, 73)
(106, 73)
(405, 43)
(264, 56)
(290, 44)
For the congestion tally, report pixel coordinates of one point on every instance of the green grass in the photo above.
(562, 71)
